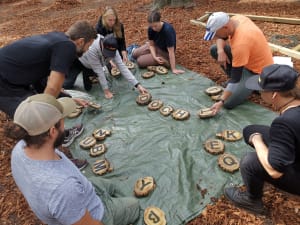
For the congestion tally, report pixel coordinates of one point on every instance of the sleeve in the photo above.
(236, 74)
(62, 56)
(124, 70)
(170, 36)
(122, 41)
(62, 203)
(282, 145)
(150, 33)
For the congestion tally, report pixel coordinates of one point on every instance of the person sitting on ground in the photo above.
(102, 50)
(56, 191)
(246, 54)
(276, 159)
(160, 49)
(109, 23)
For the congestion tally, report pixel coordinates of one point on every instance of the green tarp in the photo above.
(145, 143)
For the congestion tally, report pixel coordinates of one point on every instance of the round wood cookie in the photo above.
(155, 105)
(143, 99)
(75, 113)
(101, 167)
(214, 146)
(214, 90)
(216, 97)
(144, 186)
(161, 70)
(87, 142)
(98, 149)
(115, 72)
(148, 74)
(228, 162)
(230, 135)
(166, 110)
(151, 68)
(94, 105)
(101, 134)
(180, 114)
(205, 113)
(130, 65)
(154, 216)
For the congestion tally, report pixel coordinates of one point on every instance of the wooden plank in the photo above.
(198, 23)
(285, 51)
(268, 18)
(297, 48)
(203, 18)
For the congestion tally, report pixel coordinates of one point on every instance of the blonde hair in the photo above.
(117, 26)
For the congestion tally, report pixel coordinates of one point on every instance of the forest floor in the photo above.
(20, 18)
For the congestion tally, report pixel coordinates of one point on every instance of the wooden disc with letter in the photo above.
(166, 110)
(214, 90)
(214, 146)
(228, 162)
(154, 216)
(143, 99)
(87, 142)
(180, 114)
(230, 135)
(155, 105)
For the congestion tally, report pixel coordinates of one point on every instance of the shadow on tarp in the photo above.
(145, 143)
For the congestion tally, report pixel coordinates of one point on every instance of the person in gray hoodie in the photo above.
(94, 60)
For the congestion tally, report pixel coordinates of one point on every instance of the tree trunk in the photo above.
(157, 4)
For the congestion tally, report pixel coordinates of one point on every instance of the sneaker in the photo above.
(80, 163)
(241, 199)
(71, 134)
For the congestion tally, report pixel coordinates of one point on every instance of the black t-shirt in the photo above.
(29, 60)
(165, 38)
(284, 146)
(101, 29)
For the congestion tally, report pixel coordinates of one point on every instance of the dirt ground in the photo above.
(20, 18)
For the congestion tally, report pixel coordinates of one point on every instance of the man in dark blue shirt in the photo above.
(160, 50)
(38, 64)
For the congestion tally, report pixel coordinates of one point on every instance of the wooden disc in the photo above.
(129, 64)
(166, 110)
(151, 68)
(115, 72)
(205, 113)
(214, 90)
(180, 114)
(97, 150)
(148, 74)
(214, 146)
(228, 162)
(143, 99)
(144, 186)
(94, 105)
(230, 135)
(87, 142)
(161, 70)
(101, 167)
(154, 216)
(155, 105)
(101, 134)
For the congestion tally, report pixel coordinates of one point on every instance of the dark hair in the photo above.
(82, 29)
(295, 92)
(154, 16)
(16, 132)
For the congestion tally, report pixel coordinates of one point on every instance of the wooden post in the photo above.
(285, 51)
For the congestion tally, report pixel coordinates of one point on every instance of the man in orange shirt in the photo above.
(242, 51)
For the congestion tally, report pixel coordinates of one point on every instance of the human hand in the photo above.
(223, 59)
(159, 60)
(141, 89)
(81, 102)
(108, 94)
(177, 71)
(113, 65)
(216, 107)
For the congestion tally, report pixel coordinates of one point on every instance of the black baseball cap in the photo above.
(110, 46)
(274, 78)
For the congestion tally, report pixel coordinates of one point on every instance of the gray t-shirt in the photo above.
(56, 190)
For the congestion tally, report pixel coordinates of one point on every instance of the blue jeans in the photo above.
(241, 93)
(254, 175)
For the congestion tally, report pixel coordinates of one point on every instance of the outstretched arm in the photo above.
(171, 51)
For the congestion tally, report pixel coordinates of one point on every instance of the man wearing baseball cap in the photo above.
(276, 158)
(242, 51)
(54, 188)
(102, 53)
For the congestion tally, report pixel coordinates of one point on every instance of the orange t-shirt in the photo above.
(249, 46)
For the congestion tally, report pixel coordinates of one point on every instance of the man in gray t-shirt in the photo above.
(54, 188)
